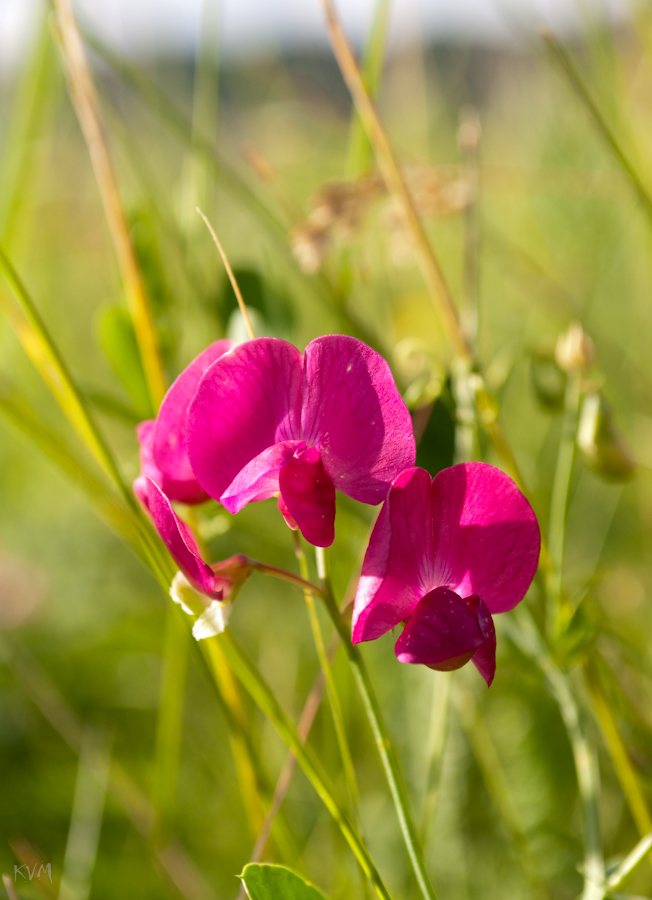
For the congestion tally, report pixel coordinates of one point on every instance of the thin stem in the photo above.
(387, 755)
(229, 272)
(46, 697)
(264, 697)
(333, 698)
(618, 752)
(44, 353)
(468, 138)
(559, 504)
(565, 63)
(527, 637)
(497, 784)
(283, 575)
(393, 177)
(84, 99)
(436, 747)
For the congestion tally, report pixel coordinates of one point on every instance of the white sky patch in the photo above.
(172, 26)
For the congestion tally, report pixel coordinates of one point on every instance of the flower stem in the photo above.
(304, 583)
(333, 698)
(387, 755)
(261, 693)
(559, 504)
(526, 636)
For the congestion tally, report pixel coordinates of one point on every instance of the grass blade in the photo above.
(84, 99)
(264, 698)
(566, 65)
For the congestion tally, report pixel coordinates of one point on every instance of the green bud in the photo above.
(600, 443)
(548, 381)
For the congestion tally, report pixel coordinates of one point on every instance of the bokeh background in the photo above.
(239, 108)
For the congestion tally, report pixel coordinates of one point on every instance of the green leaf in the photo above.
(269, 882)
(118, 340)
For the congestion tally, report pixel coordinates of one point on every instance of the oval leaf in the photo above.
(269, 882)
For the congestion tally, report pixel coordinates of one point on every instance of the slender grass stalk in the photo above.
(618, 752)
(331, 688)
(169, 725)
(524, 633)
(430, 266)
(160, 104)
(33, 103)
(306, 720)
(497, 784)
(559, 504)
(232, 278)
(84, 99)
(111, 510)
(563, 60)
(437, 745)
(170, 859)
(44, 353)
(468, 139)
(263, 696)
(87, 814)
(385, 749)
(238, 732)
(360, 153)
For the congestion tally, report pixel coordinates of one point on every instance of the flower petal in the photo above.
(179, 540)
(247, 401)
(484, 658)
(352, 411)
(441, 633)
(259, 478)
(486, 536)
(309, 496)
(169, 452)
(145, 435)
(395, 564)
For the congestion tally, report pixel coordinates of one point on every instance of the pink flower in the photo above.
(163, 455)
(268, 420)
(446, 554)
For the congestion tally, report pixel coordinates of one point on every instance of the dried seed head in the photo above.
(574, 351)
(309, 245)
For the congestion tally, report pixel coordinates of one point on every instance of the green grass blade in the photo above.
(631, 862)
(263, 696)
(563, 60)
(34, 102)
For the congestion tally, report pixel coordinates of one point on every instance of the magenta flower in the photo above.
(163, 455)
(214, 584)
(268, 420)
(445, 555)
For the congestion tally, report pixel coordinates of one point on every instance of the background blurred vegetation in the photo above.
(84, 628)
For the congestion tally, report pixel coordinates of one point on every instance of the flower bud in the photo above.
(574, 351)
(548, 381)
(600, 443)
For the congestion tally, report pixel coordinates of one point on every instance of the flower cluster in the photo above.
(259, 420)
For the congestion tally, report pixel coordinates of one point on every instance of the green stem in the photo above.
(261, 693)
(526, 636)
(387, 755)
(304, 583)
(559, 504)
(565, 63)
(436, 746)
(74, 405)
(333, 698)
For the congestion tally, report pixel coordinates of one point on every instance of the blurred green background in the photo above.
(562, 237)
